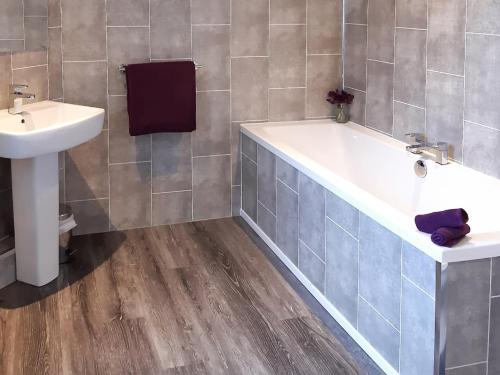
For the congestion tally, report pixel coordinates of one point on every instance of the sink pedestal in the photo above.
(35, 188)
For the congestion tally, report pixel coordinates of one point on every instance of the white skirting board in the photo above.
(362, 342)
(7, 268)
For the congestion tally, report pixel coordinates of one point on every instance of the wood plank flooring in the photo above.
(196, 298)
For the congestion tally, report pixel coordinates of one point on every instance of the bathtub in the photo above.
(336, 203)
(375, 173)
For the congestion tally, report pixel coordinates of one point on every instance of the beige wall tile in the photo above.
(35, 8)
(128, 12)
(130, 195)
(207, 12)
(35, 78)
(55, 64)
(211, 187)
(288, 11)
(5, 79)
(54, 12)
(84, 30)
(36, 33)
(122, 147)
(29, 58)
(91, 216)
(86, 170)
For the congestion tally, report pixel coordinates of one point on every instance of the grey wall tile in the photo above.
(381, 30)
(446, 44)
(356, 11)
(171, 156)
(37, 8)
(172, 18)
(11, 45)
(172, 208)
(5, 79)
(211, 187)
(35, 78)
(482, 76)
(482, 16)
(55, 64)
(494, 358)
(411, 13)
(324, 26)
(128, 12)
(249, 147)
(495, 277)
(445, 98)
(380, 268)
(85, 83)
(91, 216)
(379, 96)
(212, 135)
(211, 49)
(86, 169)
(481, 149)
(312, 215)
(126, 45)
(29, 59)
(287, 59)
(408, 119)
(236, 200)
(210, 11)
(250, 28)
(54, 13)
(342, 271)
(130, 195)
(379, 333)
(249, 187)
(235, 154)
(417, 331)
(358, 106)
(410, 68)
(36, 33)
(419, 268)
(479, 369)
(324, 73)
(467, 309)
(249, 88)
(355, 57)
(122, 147)
(342, 213)
(11, 26)
(266, 221)
(84, 30)
(288, 11)
(287, 104)
(266, 178)
(287, 174)
(287, 217)
(312, 267)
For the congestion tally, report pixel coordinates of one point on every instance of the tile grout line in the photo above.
(489, 318)
(380, 314)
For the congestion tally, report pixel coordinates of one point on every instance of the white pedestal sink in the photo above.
(32, 140)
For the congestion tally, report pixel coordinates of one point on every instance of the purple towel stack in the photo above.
(446, 228)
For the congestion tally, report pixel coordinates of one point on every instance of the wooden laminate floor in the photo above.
(195, 298)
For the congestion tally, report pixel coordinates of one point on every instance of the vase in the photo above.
(342, 113)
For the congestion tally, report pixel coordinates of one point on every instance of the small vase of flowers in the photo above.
(342, 100)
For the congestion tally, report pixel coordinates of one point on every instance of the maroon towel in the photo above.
(161, 97)
(449, 237)
(429, 223)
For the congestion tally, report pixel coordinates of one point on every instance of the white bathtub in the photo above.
(375, 174)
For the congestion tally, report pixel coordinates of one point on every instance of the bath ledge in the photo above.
(374, 173)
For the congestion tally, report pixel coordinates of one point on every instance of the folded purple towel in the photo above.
(449, 237)
(454, 218)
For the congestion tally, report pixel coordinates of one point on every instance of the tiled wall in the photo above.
(23, 25)
(262, 60)
(383, 286)
(431, 67)
(23, 67)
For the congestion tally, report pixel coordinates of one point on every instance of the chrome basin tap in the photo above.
(418, 145)
(16, 92)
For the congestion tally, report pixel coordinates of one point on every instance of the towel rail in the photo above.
(123, 67)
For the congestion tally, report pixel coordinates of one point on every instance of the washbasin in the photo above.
(32, 141)
(47, 127)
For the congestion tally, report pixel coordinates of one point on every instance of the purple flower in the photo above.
(339, 97)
